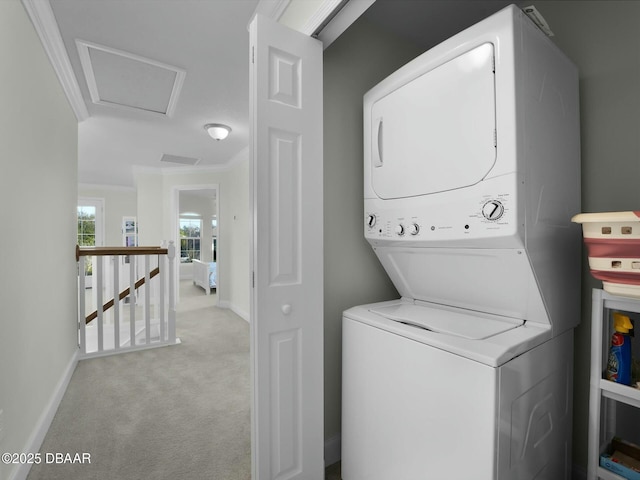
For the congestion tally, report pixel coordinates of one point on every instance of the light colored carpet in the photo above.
(179, 412)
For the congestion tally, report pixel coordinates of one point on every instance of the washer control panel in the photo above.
(487, 216)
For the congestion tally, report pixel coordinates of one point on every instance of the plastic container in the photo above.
(613, 244)
(620, 359)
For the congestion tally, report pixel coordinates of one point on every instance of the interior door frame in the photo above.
(174, 209)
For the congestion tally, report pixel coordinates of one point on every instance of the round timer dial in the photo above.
(493, 210)
(371, 220)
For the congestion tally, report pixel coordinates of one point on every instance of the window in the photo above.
(89, 212)
(86, 226)
(87, 235)
(190, 239)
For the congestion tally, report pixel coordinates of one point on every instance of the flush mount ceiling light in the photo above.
(217, 131)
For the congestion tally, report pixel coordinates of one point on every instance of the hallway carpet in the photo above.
(179, 412)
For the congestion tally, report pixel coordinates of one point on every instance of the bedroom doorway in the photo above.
(196, 231)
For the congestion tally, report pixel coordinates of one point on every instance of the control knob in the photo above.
(400, 230)
(413, 229)
(371, 220)
(493, 210)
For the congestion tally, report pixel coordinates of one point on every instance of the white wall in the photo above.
(237, 224)
(355, 62)
(156, 196)
(150, 207)
(38, 193)
(118, 202)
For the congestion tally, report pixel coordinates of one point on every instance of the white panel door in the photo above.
(287, 253)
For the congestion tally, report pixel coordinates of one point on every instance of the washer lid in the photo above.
(472, 325)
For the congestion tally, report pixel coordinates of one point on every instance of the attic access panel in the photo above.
(125, 80)
(437, 131)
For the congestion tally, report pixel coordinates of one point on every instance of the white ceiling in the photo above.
(208, 39)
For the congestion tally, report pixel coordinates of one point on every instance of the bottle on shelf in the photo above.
(620, 358)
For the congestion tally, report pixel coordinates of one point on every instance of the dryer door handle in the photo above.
(377, 143)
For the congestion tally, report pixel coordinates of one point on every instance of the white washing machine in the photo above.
(472, 174)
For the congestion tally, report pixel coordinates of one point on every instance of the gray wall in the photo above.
(603, 40)
(38, 193)
(354, 63)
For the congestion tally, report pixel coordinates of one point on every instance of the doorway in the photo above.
(195, 227)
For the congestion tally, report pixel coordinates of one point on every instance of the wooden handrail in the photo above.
(104, 251)
(122, 295)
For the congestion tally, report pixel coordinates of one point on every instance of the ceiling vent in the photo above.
(129, 81)
(180, 160)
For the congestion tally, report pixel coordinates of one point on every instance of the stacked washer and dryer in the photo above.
(471, 177)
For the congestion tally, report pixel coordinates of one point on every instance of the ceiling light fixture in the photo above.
(217, 131)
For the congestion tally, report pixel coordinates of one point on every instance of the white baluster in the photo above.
(116, 302)
(132, 300)
(82, 314)
(162, 264)
(100, 301)
(147, 301)
(171, 255)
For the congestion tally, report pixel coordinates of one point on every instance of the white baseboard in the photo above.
(234, 308)
(332, 450)
(44, 422)
(241, 313)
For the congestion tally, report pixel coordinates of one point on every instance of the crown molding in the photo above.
(98, 186)
(45, 24)
(347, 14)
(321, 14)
(270, 8)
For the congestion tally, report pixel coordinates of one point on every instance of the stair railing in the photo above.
(140, 312)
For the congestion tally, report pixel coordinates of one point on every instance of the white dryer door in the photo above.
(438, 131)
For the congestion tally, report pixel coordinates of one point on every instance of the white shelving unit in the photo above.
(603, 394)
